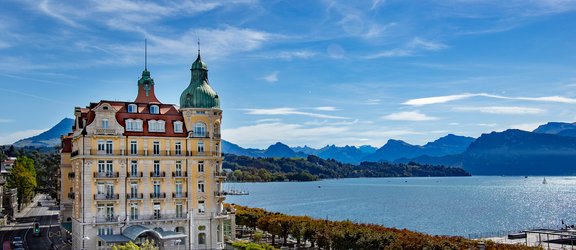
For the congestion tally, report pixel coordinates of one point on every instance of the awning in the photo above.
(66, 226)
(132, 232)
(114, 238)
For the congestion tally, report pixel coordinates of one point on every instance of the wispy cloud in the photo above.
(374, 101)
(289, 111)
(45, 7)
(6, 120)
(326, 108)
(10, 138)
(450, 98)
(271, 78)
(300, 54)
(409, 116)
(503, 110)
(411, 48)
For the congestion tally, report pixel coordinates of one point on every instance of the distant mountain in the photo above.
(281, 150)
(49, 138)
(231, 148)
(568, 132)
(367, 149)
(395, 149)
(346, 154)
(554, 127)
(517, 152)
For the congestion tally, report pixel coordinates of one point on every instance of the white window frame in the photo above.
(199, 129)
(105, 123)
(200, 147)
(154, 109)
(178, 127)
(132, 108)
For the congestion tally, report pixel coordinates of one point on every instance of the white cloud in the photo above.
(326, 108)
(289, 111)
(301, 54)
(450, 98)
(268, 120)
(271, 78)
(411, 48)
(409, 116)
(374, 101)
(18, 135)
(504, 110)
(48, 10)
(6, 120)
(391, 53)
(421, 44)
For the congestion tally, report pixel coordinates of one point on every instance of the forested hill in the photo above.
(313, 168)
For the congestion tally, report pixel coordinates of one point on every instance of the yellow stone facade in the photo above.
(123, 182)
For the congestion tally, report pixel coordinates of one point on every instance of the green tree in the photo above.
(149, 245)
(128, 246)
(23, 177)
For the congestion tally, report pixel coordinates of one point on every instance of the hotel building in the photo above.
(132, 171)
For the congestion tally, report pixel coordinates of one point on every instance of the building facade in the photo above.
(133, 171)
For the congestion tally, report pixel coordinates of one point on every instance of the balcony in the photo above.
(200, 135)
(220, 195)
(157, 174)
(71, 175)
(220, 215)
(106, 197)
(180, 174)
(74, 153)
(106, 174)
(71, 195)
(135, 174)
(106, 152)
(180, 195)
(152, 217)
(135, 196)
(105, 131)
(220, 174)
(106, 218)
(157, 195)
(217, 135)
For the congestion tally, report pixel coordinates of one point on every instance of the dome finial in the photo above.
(198, 47)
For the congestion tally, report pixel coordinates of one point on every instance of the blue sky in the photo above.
(301, 72)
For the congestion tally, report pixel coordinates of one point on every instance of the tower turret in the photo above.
(199, 94)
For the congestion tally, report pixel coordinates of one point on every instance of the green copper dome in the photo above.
(199, 94)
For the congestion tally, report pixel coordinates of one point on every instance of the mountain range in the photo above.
(548, 150)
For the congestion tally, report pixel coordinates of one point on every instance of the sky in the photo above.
(300, 72)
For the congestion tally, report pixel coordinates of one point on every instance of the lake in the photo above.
(433, 205)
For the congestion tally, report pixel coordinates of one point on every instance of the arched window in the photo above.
(132, 108)
(199, 129)
(154, 109)
(216, 129)
(201, 238)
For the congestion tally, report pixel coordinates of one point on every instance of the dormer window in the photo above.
(154, 109)
(156, 126)
(104, 123)
(132, 108)
(133, 125)
(178, 127)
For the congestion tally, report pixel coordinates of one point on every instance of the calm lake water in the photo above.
(434, 205)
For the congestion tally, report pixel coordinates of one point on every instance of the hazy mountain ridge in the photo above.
(49, 138)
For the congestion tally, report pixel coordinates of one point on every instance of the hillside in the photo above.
(49, 138)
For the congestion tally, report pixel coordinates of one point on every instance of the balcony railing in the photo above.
(71, 175)
(135, 174)
(219, 194)
(157, 174)
(200, 135)
(106, 196)
(180, 195)
(71, 195)
(148, 152)
(149, 217)
(220, 174)
(105, 131)
(106, 174)
(180, 174)
(106, 218)
(217, 135)
(157, 195)
(135, 196)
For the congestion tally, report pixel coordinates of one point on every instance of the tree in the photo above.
(128, 246)
(148, 245)
(23, 177)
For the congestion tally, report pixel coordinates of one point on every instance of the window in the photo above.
(109, 147)
(200, 147)
(156, 168)
(101, 145)
(201, 207)
(202, 238)
(133, 147)
(101, 167)
(109, 169)
(132, 108)
(156, 148)
(179, 213)
(217, 148)
(179, 189)
(133, 125)
(134, 189)
(157, 210)
(199, 129)
(201, 186)
(178, 168)
(154, 109)
(133, 211)
(178, 127)
(104, 123)
(134, 168)
(101, 189)
(156, 126)
(156, 188)
(109, 190)
(200, 166)
(217, 129)
(105, 230)
(178, 148)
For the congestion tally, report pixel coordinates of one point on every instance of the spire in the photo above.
(146, 83)
(145, 55)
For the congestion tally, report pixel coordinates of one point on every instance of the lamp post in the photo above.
(178, 243)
